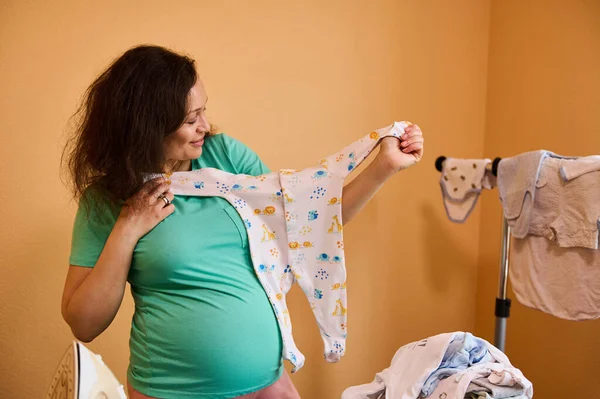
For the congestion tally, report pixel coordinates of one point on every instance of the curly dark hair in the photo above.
(124, 118)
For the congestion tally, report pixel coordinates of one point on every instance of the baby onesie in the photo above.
(294, 224)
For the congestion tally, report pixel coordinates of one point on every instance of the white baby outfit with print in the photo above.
(294, 224)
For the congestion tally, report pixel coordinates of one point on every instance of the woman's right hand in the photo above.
(146, 209)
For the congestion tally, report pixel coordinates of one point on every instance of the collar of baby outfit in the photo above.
(579, 167)
(294, 224)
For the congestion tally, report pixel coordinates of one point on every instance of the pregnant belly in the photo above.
(214, 343)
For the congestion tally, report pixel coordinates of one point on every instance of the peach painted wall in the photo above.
(293, 80)
(543, 93)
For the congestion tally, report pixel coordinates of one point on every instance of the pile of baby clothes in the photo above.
(454, 365)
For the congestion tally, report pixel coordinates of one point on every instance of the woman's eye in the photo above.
(192, 122)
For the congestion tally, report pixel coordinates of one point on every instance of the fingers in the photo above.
(157, 191)
(414, 140)
(151, 185)
(415, 147)
(166, 210)
(164, 199)
(411, 131)
(161, 202)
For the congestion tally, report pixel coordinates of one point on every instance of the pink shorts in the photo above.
(283, 388)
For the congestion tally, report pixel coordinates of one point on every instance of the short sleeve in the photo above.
(246, 161)
(91, 229)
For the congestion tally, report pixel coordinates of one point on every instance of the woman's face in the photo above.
(186, 142)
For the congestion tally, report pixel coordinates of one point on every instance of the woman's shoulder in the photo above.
(224, 142)
(229, 154)
(224, 152)
(214, 151)
(97, 204)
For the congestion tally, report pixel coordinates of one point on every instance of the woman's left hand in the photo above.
(396, 155)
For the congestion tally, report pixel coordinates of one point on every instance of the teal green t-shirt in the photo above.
(203, 326)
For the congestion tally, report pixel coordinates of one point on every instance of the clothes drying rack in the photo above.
(502, 308)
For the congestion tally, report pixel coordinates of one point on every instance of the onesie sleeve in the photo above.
(91, 229)
(245, 160)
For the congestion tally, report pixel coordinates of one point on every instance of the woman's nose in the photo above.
(204, 126)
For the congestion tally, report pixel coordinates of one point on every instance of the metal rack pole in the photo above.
(502, 311)
(502, 302)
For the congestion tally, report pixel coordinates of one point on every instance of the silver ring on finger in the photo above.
(164, 198)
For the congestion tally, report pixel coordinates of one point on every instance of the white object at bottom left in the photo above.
(81, 374)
